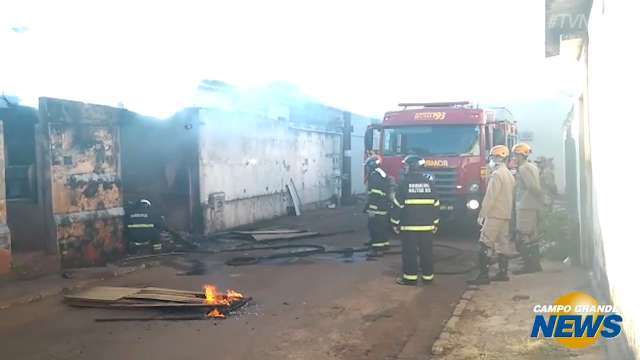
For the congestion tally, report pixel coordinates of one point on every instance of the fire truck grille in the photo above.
(445, 184)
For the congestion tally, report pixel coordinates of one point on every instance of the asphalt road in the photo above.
(318, 307)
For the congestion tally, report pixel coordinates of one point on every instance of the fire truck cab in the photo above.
(454, 138)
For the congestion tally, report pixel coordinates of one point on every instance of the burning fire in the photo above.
(213, 297)
(234, 295)
(211, 294)
(216, 314)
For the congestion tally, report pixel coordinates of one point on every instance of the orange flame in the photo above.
(212, 297)
(216, 314)
(211, 294)
(234, 295)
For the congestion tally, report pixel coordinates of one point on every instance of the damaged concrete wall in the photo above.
(5, 234)
(82, 172)
(248, 156)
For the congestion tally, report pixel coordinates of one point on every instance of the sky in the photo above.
(362, 56)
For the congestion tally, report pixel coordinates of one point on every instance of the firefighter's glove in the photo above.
(396, 229)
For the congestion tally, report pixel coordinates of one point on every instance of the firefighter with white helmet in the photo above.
(494, 217)
(377, 206)
(416, 211)
(529, 202)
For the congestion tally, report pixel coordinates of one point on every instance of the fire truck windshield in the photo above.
(437, 140)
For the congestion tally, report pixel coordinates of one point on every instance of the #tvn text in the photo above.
(577, 321)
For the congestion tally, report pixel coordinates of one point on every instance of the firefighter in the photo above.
(529, 203)
(143, 228)
(415, 216)
(377, 206)
(494, 217)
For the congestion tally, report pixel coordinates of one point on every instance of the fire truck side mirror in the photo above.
(368, 139)
(499, 137)
(372, 138)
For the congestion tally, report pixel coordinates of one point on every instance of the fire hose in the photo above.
(302, 250)
(314, 249)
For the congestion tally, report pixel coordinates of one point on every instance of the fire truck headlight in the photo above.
(474, 188)
(473, 204)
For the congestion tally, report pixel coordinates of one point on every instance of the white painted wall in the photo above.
(613, 79)
(250, 155)
(614, 127)
(359, 125)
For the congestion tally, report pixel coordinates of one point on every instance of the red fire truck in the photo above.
(454, 138)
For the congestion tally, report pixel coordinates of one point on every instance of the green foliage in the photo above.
(557, 244)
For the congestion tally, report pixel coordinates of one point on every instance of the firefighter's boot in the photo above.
(406, 282)
(503, 269)
(483, 266)
(531, 262)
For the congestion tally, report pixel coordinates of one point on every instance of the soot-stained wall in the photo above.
(82, 180)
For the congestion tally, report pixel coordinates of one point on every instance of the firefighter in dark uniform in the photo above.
(378, 206)
(143, 228)
(415, 216)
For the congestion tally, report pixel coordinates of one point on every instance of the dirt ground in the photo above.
(497, 321)
(320, 307)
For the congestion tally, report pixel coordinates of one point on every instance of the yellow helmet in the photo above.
(499, 151)
(522, 149)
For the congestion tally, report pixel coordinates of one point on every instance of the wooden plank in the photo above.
(295, 199)
(145, 305)
(156, 318)
(225, 312)
(269, 237)
(166, 297)
(155, 290)
(104, 294)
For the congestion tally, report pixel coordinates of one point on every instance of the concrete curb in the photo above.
(444, 340)
(61, 290)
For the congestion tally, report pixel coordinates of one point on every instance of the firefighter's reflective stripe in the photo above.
(378, 192)
(395, 222)
(397, 203)
(410, 277)
(374, 212)
(417, 228)
(436, 221)
(374, 207)
(419, 202)
(382, 244)
(140, 226)
(427, 277)
(437, 203)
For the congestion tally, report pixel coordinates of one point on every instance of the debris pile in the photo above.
(266, 235)
(209, 303)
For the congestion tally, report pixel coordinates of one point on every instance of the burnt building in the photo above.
(71, 168)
